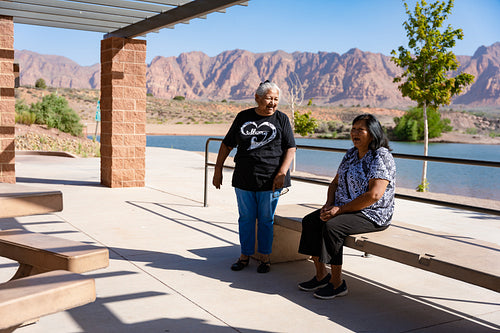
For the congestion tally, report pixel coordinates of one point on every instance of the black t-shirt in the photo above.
(261, 143)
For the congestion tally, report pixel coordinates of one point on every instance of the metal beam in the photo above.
(62, 25)
(55, 18)
(139, 14)
(122, 18)
(126, 4)
(185, 12)
(63, 13)
(174, 3)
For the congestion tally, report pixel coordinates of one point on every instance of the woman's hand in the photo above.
(217, 180)
(278, 181)
(328, 212)
(219, 164)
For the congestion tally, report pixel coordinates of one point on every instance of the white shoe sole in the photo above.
(312, 289)
(330, 297)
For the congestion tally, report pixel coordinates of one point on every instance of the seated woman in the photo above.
(360, 199)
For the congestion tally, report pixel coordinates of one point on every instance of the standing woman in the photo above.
(266, 148)
(360, 199)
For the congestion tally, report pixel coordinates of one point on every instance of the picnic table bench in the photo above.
(21, 200)
(466, 259)
(26, 299)
(47, 280)
(38, 253)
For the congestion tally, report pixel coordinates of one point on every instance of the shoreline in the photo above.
(221, 130)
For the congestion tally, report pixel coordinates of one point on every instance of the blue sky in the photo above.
(288, 25)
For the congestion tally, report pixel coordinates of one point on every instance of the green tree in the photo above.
(55, 112)
(410, 127)
(425, 73)
(305, 123)
(40, 83)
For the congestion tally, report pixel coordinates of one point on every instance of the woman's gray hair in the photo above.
(265, 86)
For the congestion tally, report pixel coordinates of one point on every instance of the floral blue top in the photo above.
(354, 174)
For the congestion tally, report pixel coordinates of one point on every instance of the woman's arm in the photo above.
(221, 158)
(376, 189)
(330, 197)
(279, 179)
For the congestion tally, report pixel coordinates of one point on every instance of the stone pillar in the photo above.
(7, 101)
(123, 112)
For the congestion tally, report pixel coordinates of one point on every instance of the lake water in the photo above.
(465, 180)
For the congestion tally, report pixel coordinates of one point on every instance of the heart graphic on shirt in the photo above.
(261, 134)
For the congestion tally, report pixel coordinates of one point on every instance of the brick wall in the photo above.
(123, 112)
(7, 101)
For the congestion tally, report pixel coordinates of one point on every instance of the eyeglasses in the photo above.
(283, 191)
(267, 81)
(358, 130)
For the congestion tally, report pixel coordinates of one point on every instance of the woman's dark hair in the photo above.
(379, 138)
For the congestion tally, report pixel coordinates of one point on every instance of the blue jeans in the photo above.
(258, 206)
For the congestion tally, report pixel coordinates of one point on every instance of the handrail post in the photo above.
(205, 190)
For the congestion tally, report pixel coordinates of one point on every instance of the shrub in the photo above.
(179, 98)
(24, 114)
(494, 134)
(411, 126)
(322, 128)
(40, 83)
(54, 112)
(471, 131)
(305, 123)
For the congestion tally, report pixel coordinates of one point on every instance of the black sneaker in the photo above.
(329, 292)
(314, 284)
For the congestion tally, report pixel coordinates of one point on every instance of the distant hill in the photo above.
(354, 78)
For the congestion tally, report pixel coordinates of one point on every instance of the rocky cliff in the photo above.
(353, 78)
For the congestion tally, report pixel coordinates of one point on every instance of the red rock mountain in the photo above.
(353, 78)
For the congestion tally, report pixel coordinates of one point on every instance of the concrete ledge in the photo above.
(466, 259)
(20, 200)
(285, 244)
(30, 298)
(41, 253)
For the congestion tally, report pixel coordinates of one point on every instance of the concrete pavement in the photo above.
(170, 257)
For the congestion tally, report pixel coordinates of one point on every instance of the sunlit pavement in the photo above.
(170, 258)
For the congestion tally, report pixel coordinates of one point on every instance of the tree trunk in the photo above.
(423, 184)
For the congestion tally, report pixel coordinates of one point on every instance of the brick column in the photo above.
(7, 101)
(123, 112)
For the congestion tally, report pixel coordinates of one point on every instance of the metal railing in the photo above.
(398, 195)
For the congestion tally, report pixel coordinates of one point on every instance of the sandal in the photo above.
(264, 267)
(240, 264)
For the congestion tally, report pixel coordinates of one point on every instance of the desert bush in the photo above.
(410, 127)
(471, 131)
(304, 123)
(54, 112)
(24, 114)
(40, 83)
(179, 98)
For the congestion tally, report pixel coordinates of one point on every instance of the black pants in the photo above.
(326, 239)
